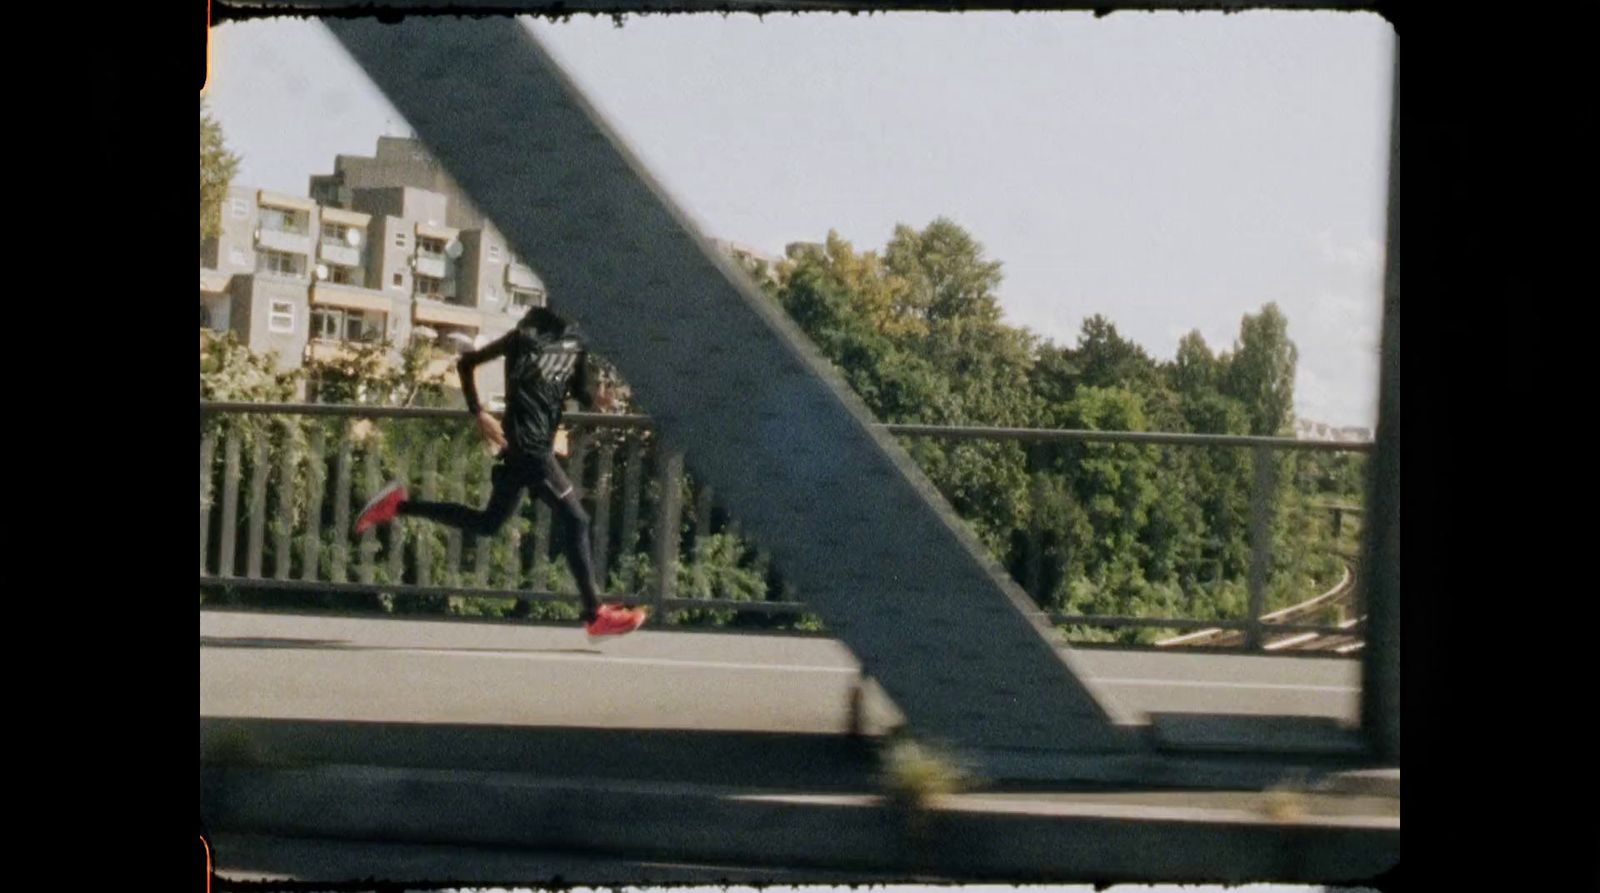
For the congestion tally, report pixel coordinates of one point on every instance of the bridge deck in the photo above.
(392, 670)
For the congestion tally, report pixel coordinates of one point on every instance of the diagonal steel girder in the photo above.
(734, 384)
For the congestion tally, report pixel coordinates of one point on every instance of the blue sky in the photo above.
(1170, 171)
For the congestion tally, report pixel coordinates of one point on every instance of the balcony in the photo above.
(286, 240)
(350, 297)
(431, 265)
(337, 251)
(427, 310)
(519, 276)
(293, 270)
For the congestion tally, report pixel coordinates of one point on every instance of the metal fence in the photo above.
(281, 484)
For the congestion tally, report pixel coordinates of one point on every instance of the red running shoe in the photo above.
(614, 620)
(382, 508)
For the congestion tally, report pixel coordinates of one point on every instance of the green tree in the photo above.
(982, 366)
(1195, 369)
(946, 273)
(362, 373)
(1260, 373)
(1106, 359)
(847, 304)
(1114, 483)
(229, 371)
(217, 168)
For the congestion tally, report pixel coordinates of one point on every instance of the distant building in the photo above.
(378, 258)
(385, 248)
(750, 255)
(1306, 429)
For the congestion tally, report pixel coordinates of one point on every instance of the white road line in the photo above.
(631, 661)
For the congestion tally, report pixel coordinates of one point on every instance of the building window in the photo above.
(335, 234)
(430, 247)
(281, 319)
(343, 275)
(363, 327)
(399, 240)
(278, 263)
(427, 285)
(325, 323)
(336, 324)
(399, 280)
(239, 208)
(494, 252)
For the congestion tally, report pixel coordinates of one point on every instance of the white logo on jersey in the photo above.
(557, 367)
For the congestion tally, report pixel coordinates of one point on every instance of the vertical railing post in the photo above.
(341, 506)
(1261, 499)
(282, 553)
(669, 516)
(208, 452)
(226, 545)
(577, 472)
(703, 496)
(458, 494)
(317, 469)
(430, 492)
(601, 531)
(482, 545)
(366, 570)
(1036, 490)
(258, 508)
(628, 541)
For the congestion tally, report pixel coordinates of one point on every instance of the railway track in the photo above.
(1339, 597)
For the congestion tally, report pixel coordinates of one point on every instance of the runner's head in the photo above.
(546, 320)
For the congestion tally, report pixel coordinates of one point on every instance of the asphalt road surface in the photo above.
(282, 666)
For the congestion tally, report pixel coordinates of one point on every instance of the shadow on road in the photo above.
(773, 761)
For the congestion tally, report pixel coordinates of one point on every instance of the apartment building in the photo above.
(1306, 429)
(387, 248)
(304, 280)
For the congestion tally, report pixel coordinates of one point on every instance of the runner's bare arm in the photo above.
(466, 368)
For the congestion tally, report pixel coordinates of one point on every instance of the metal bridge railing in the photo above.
(299, 539)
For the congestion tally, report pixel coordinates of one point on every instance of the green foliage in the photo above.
(1125, 529)
(230, 372)
(1120, 529)
(1261, 373)
(217, 168)
(361, 373)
